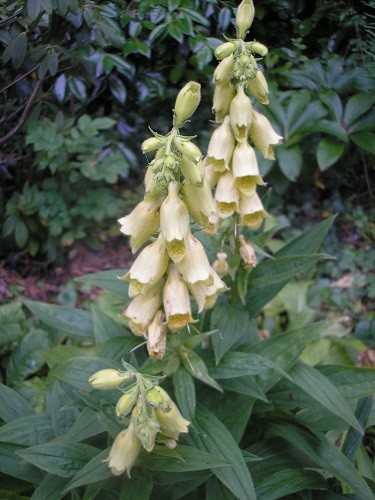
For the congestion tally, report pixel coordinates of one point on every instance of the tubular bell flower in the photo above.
(194, 267)
(200, 203)
(223, 96)
(176, 301)
(141, 310)
(252, 211)
(244, 17)
(226, 196)
(124, 451)
(220, 147)
(141, 223)
(258, 87)
(247, 253)
(224, 71)
(187, 102)
(157, 337)
(240, 114)
(172, 423)
(148, 268)
(174, 223)
(263, 135)
(245, 169)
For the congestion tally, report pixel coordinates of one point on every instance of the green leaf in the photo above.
(195, 365)
(357, 106)
(74, 322)
(85, 426)
(77, 88)
(288, 481)
(27, 358)
(324, 453)
(50, 487)
(95, 470)
(138, 487)
(290, 161)
(333, 103)
(328, 153)
(212, 436)
(365, 140)
(321, 389)
(108, 280)
(12, 465)
(21, 233)
(353, 438)
(232, 323)
(192, 459)
(61, 459)
(118, 89)
(77, 371)
(104, 327)
(62, 420)
(13, 405)
(244, 385)
(34, 7)
(21, 430)
(119, 347)
(184, 390)
(60, 353)
(234, 410)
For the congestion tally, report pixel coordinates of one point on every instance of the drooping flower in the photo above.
(195, 267)
(141, 310)
(172, 423)
(124, 451)
(245, 169)
(263, 135)
(157, 337)
(226, 195)
(176, 301)
(247, 253)
(252, 211)
(141, 223)
(220, 147)
(240, 114)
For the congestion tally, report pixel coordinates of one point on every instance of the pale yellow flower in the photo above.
(195, 267)
(157, 337)
(226, 196)
(141, 310)
(263, 135)
(187, 102)
(108, 379)
(252, 211)
(206, 296)
(245, 169)
(220, 147)
(199, 202)
(244, 17)
(141, 223)
(125, 404)
(224, 71)
(191, 170)
(224, 50)
(148, 268)
(220, 265)
(211, 175)
(176, 301)
(240, 114)
(223, 96)
(258, 87)
(172, 423)
(247, 253)
(124, 451)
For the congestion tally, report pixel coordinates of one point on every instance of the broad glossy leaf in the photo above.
(216, 490)
(353, 438)
(95, 470)
(85, 426)
(75, 322)
(119, 347)
(234, 412)
(365, 140)
(13, 405)
(328, 153)
(105, 328)
(290, 161)
(137, 487)
(212, 436)
(61, 459)
(184, 390)
(333, 103)
(357, 106)
(21, 430)
(108, 280)
(61, 353)
(322, 390)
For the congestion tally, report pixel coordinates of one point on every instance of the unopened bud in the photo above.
(159, 398)
(109, 379)
(258, 87)
(127, 401)
(244, 17)
(240, 114)
(257, 48)
(220, 265)
(187, 102)
(224, 50)
(224, 71)
(223, 96)
(247, 253)
(189, 149)
(151, 144)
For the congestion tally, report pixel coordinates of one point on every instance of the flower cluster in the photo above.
(151, 416)
(175, 264)
(231, 165)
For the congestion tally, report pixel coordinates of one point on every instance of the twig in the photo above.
(18, 79)
(23, 117)
(13, 158)
(366, 175)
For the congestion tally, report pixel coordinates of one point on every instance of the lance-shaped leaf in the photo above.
(196, 366)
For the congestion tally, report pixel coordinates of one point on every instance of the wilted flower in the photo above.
(263, 135)
(220, 147)
(247, 253)
(108, 379)
(156, 337)
(244, 17)
(141, 223)
(176, 301)
(226, 196)
(141, 310)
(240, 114)
(252, 211)
(124, 451)
(220, 265)
(187, 102)
(148, 268)
(245, 168)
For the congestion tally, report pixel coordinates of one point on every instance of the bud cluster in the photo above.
(150, 414)
(231, 165)
(175, 265)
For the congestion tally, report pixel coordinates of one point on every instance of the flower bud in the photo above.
(220, 147)
(226, 196)
(247, 253)
(245, 169)
(148, 268)
(141, 223)
(159, 398)
(176, 301)
(244, 17)
(223, 96)
(240, 114)
(220, 265)
(191, 170)
(152, 143)
(124, 451)
(199, 201)
(258, 87)
(194, 267)
(252, 211)
(127, 401)
(257, 48)
(174, 223)
(172, 423)
(156, 337)
(141, 310)
(263, 135)
(224, 71)
(109, 379)
(187, 101)
(189, 149)
(224, 50)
